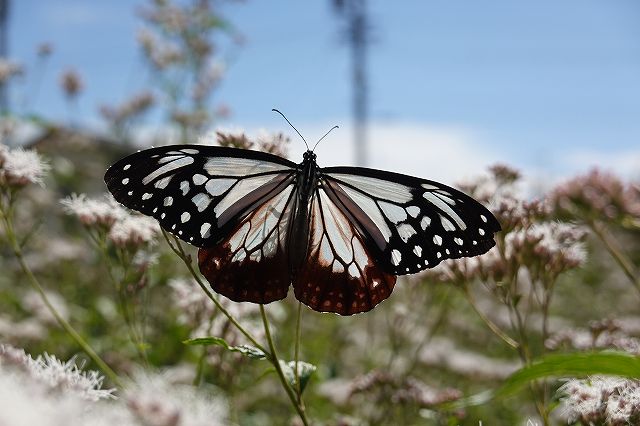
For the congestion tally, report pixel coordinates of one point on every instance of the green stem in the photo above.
(616, 252)
(186, 259)
(492, 326)
(123, 304)
(63, 323)
(297, 354)
(276, 363)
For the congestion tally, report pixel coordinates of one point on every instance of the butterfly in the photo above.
(339, 235)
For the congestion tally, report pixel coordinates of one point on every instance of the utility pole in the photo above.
(355, 13)
(4, 30)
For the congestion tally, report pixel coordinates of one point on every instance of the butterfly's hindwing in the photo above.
(422, 222)
(197, 192)
(340, 274)
(252, 263)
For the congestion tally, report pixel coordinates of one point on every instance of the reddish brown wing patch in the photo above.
(339, 275)
(252, 264)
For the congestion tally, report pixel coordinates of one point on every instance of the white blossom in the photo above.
(20, 167)
(134, 231)
(91, 211)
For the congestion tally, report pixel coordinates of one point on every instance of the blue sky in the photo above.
(551, 87)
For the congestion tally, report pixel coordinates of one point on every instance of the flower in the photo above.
(91, 211)
(71, 83)
(596, 195)
(57, 375)
(134, 106)
(156, 401)
(20, 167)
(9, 69)
(133, 231)
(601, 400)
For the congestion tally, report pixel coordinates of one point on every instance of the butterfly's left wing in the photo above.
(410, 224)
(197, 192)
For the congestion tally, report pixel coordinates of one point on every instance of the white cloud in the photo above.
(437, 152)
(624, 163)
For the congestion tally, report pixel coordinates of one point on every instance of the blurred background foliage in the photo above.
(563, 277)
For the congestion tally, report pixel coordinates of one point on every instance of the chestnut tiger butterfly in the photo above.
(339, 235)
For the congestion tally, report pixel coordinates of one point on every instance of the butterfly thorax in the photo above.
(307, 180)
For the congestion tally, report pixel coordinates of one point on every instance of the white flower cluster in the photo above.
(601, 400)
(54, 374)
(48, 392)
(123, 228)
(20, 167)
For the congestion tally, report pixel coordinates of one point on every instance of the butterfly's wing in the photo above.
(410, 224)
(340, 274)
(199, 193)
(234, 204)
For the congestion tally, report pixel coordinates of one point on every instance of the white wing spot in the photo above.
(126, 167)
(185, 217)
(413, 211)
(438, 255)
(353, 270)
(425, 222)
(429, 187)
(155, 210)
(447, 251)
(396, 257)
(205, 230)
(484, 218)
(189, 151)
(199, 179)
(437, 239)
(418, 251)
(168, 201)
(458, 241)
(481, 231)
(130, 193)
(406, 231)
(162, 183)
(125, 181)
(395, 214)
(474, 242)
(217, 187)
(201, 201)
(437, 201)
(447, 224)
(162, 216)
(173, 165)
(184, 187)
(146, 196)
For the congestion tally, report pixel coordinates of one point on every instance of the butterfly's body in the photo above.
(307, 180)
(340, 235)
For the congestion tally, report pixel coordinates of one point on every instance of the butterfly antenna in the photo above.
(283, 116)
(325, 135)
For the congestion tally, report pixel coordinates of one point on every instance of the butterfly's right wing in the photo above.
(199, 193)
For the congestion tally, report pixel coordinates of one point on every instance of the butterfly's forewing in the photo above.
(251, 263)
(197, 192)
(418, 223)
(340, 274)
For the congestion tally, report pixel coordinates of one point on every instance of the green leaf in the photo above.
(246, 350)
(305, 370)
(560, 365)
